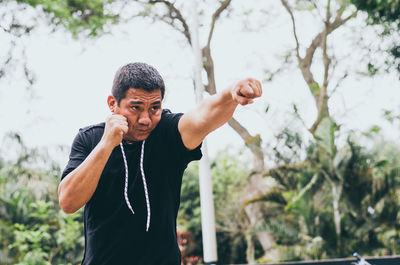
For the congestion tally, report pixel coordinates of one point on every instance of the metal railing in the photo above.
(357, 260)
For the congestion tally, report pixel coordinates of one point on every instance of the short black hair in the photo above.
(136, 75)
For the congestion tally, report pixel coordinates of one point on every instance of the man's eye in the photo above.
(135, 107)
(155, 108)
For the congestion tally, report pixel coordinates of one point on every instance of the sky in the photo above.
(74, 79)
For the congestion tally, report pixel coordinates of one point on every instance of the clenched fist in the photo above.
(246, 90)
(116, 127)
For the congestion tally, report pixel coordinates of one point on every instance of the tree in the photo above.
(387, 14)
(20, 18)
(369, 219)
(330, 16)
(385, 11)
(329, 162)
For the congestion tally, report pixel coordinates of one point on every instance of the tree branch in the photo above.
(175, 14)
(339, 21)
(321, 96)
(326, 59)
(208, 63)
(208, 66)
(286, 5)
(318, 11)
(252, 142)
(215, 16)
(305, 64)
(345, 75)
(320, 40)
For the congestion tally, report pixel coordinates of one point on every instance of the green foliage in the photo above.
(253, 140)
(189, 215)
(372, 69)
(288, 148)
(305, 5)
(229, 176)
(390, 116)
(34, 229)
(368, 204)
(315, 89)
(29, 243)
(77, 16)
(21, 17)
(298, 212)
(387, 14)
(380, 11)
(298, 207)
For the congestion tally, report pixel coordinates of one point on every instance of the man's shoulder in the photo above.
(168, 116)
(91, 134)
(99, 127)
(166, 112)
(168, 125)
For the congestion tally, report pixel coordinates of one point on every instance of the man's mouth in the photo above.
(143, 131)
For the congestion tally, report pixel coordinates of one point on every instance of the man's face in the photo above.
(142, 110)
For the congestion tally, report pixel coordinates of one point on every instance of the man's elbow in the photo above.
(67, 207)
(65, 203)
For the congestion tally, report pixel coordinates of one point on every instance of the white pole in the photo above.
(206, 196)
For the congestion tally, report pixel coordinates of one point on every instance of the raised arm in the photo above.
(216, 110)
(79, 185)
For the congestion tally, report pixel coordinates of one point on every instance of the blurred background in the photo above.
(309, 171)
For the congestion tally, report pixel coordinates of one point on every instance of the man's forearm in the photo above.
(211, 114)
(216, 110)
(79, 185)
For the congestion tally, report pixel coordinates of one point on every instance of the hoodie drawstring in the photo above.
(146, 194)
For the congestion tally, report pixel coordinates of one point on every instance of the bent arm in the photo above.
(215, 111)
(76, 189)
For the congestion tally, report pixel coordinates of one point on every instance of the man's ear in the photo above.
(112, 103)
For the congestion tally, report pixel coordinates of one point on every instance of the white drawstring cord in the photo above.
(145, 187)
(144, 184)
(126, 179)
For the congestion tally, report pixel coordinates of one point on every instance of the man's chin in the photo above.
(141, 138)
(137, 138)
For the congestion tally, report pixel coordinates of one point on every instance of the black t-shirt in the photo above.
(113, 235)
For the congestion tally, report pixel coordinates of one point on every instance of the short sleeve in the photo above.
(79, 152)
(171, 120)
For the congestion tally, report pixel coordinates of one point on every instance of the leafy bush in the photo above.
(34, 229)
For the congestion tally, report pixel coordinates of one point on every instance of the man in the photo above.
(128, 171)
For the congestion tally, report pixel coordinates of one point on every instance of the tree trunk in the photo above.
(254, 188)
(254, 214)
(336, 194)
(250, 249)
(321, 102)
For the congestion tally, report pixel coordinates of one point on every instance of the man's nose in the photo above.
(144, 118)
